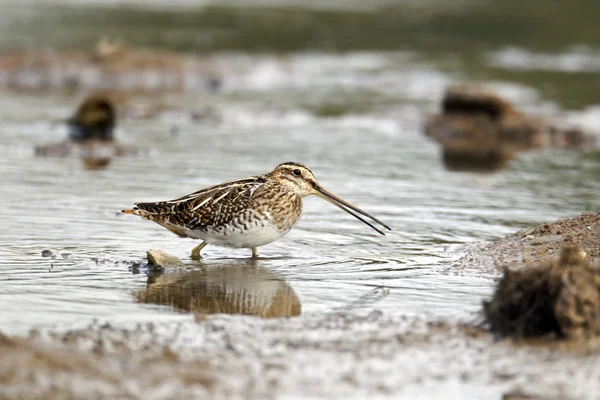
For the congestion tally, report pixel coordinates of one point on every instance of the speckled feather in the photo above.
(232, 202)
(246, 213)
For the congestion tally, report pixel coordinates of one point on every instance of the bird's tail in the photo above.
(136, 211)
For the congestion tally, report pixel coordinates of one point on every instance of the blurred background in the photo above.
(549, 46)
(210, 91)
(104, 103)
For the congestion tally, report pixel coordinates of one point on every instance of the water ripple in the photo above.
(375, 158)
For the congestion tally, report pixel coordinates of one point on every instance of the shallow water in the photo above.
(354, 118)
(376, 159)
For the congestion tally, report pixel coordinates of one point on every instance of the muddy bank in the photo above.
(335, 355)
(550, 283)
(532, 245)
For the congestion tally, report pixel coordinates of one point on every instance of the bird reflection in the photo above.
(232, 289)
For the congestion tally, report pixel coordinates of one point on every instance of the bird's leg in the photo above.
(255, 252)
(196, 251)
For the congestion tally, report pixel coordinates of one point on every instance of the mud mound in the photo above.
(583, 231)
(477, 127)
(559, 297)
(528, 246)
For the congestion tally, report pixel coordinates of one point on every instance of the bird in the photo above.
(245, 213)
(90, 134)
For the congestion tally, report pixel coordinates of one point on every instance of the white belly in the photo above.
(254, 235)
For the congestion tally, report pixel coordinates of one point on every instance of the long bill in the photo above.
(349, 208)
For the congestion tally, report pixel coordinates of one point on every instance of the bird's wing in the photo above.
(209, 207)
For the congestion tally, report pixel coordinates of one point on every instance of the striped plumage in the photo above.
(246, 213)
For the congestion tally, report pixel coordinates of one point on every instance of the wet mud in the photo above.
(233, 289)
(529, 246)
(549, 286)
(336, 355)
(344, 353)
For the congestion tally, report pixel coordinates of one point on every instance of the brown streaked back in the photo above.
(207, 208)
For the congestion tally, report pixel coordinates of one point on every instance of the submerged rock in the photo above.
(479, 130)
(559, 297)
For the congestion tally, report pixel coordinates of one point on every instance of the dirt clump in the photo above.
(555, 297)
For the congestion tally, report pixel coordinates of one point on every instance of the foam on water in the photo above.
(578, 59)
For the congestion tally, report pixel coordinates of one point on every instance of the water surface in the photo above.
(353, 117)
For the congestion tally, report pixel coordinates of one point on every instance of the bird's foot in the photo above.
(196, 251)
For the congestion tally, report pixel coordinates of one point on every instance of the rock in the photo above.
(47, 253)
(160, 259)
(479, 130)
(91, 134)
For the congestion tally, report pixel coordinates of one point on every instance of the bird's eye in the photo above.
(297, 172)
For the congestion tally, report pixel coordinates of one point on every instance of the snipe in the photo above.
(247, 213)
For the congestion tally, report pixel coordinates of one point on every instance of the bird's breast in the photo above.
(266, 221)
(283, 211)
